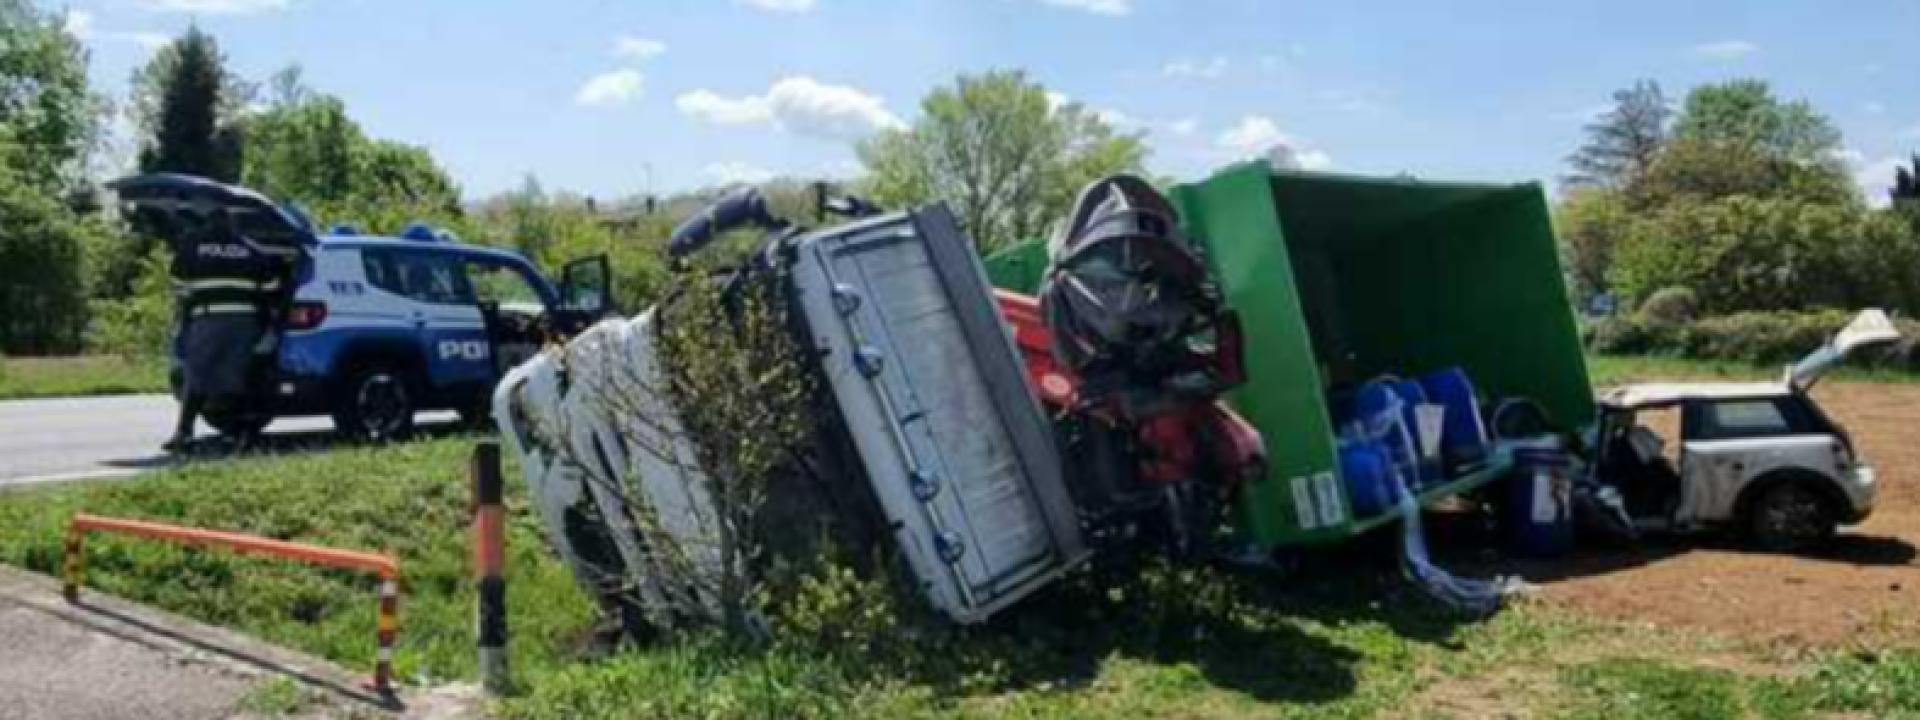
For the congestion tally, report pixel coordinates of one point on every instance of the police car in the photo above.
(378, 327)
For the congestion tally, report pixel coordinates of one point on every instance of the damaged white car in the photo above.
(1760, 458)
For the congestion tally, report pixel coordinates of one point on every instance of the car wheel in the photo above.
(1788, 517)
(377, 404)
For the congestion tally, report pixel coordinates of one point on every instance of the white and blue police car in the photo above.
(378, 328)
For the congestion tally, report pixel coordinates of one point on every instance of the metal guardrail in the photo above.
(387, 568)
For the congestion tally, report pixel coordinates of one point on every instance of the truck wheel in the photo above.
(1788, 517)
(377, 404)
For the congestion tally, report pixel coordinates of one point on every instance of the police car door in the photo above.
(446, 323)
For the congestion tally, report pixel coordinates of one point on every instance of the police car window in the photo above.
(501, 284)
(423, 276)
(1746, 418)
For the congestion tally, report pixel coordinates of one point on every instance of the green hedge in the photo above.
(1768, 338)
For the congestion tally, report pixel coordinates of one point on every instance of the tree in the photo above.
(186, 105)
(42, 265)
(1592, 221)
(1697, 169)
(305, 147)
(1623, 142)
(994, 147)
(1745, 113)
(1748, 253)
(46, 111)
(1906, 184)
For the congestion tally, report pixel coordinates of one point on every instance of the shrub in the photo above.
(139, 324)
(1767, 338)
(1671, 306)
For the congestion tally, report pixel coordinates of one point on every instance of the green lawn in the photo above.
(1617, 369)
(1344, 638)
(80, 375)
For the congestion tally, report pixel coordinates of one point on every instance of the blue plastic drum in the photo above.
(1463, 437)
(1539, 507)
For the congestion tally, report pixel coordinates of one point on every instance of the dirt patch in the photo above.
(1864, 589)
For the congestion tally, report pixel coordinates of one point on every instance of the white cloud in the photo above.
(1115, 118)
(1208, 69)
(785, 6)
(1725, 49)
(798, 104)
(1875, 178)
(1056, 100)
(1314, 160)
(79, 24)
(216, 7)
(1184, 127)
(734, 171)
(636, 48)
(720, 110)
(1097, 7)
(148, 40)
(1252, 134)
(1258, 135)
(608, 89)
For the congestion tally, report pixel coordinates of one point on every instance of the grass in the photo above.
(1343, 639)
(80, 375)
(1618, 369)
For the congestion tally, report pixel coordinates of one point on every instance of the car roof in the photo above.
(382, 241)
(1655, 394)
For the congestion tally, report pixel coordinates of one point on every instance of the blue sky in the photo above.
(613, 98)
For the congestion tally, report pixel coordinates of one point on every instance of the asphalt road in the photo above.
(71, 438)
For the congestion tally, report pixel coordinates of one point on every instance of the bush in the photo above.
(1765, 338)
(1671, 306)
(139, 324)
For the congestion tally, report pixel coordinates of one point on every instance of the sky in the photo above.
(617, 98)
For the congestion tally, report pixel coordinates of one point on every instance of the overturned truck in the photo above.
(930, 436)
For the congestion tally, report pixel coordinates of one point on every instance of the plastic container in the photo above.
(1539, 507)
(1463, 439)
(1367, 471)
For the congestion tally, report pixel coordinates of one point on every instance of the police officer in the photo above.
(231, 290)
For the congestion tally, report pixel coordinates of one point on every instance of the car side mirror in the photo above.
(586, 288)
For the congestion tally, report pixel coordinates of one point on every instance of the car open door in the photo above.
(586, 294)
(1870, 327)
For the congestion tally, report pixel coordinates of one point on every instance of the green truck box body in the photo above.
(1339, 279)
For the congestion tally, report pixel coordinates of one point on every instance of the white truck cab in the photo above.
(1759, 457)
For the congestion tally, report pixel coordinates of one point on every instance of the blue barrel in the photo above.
(1367, 471)
(1374, 406)
(1411, 396)
(1463, 439)
(1539, 507)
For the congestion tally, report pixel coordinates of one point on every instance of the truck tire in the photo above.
(1790, 516)
(376, 403)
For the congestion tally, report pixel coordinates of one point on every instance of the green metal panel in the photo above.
(1340, 278)
(1233, 215)
(1018, 267)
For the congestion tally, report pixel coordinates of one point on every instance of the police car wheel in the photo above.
(378, 405)
(238, 424)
